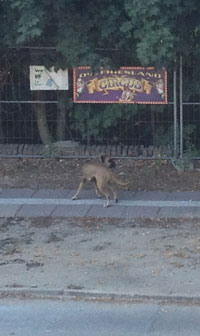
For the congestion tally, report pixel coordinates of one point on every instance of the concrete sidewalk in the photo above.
(132, 204)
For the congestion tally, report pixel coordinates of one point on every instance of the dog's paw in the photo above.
(74, 197)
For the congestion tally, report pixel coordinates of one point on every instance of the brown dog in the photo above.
(100, 172)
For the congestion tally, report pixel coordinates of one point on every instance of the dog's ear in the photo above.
(107, 161)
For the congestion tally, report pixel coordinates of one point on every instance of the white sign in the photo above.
(48, 79)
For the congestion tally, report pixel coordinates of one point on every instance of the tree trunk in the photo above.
(61, 119)
(40, 112)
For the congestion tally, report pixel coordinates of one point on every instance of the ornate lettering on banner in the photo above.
(126, 85)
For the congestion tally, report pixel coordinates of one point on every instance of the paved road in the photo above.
(55, 203)
(39, 318)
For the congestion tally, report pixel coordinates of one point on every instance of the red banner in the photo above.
(127, 85)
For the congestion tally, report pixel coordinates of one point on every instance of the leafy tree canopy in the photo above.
(87, 32)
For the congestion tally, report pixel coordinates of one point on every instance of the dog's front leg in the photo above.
(107, 201)
(98, 193)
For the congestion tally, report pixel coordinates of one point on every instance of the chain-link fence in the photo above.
(189, 107)
(49, 116)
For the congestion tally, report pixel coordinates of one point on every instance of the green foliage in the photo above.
(188, 138)
(162, 29)
(165, 137)
(107, 33)
(29, 20)
(93, 119)
(86, 32)
(190, 151)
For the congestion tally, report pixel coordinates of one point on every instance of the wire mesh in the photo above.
(141, 125)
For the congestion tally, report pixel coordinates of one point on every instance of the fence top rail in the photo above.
(41, 102)
(28, 101)
(56, 102)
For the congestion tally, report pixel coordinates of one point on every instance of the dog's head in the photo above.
(107, 161)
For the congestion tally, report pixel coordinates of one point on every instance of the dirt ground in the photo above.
(144, 257)
(148, 175)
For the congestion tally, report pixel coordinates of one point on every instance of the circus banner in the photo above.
(127, 85)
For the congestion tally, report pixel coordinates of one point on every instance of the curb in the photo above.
(79, 295)
(71, 149)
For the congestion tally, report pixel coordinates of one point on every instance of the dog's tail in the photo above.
(117, 181)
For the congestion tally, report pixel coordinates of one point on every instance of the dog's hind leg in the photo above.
(104, 191)
(78, 191)
(114, 194)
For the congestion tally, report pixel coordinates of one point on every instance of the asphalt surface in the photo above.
(145, 247)
(132, 204)
(39, 318)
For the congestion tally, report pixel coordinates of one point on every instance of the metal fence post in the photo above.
(175, 115)
(181, 107)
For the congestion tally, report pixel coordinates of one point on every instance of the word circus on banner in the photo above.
(127, 85)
